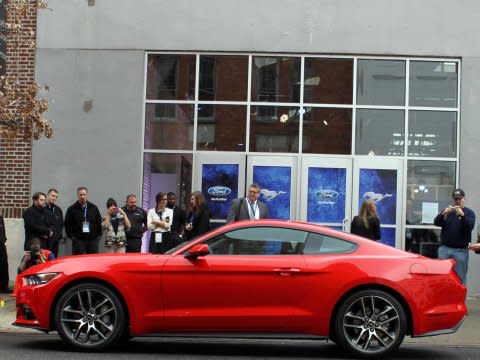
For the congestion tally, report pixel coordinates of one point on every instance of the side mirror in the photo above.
(197, 250)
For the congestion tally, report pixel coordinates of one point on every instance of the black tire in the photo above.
(367, 333)
(90, 317)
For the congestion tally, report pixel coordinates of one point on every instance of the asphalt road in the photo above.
(43, 347)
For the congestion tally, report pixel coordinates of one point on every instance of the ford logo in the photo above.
(326, 194)
(219, 191)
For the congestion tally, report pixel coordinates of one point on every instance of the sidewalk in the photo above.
(468, 334)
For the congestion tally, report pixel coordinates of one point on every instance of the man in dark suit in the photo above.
(179, 218)
(54, 217)
(249, 208)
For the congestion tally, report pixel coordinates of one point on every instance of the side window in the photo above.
(323, 244)
(258, 241)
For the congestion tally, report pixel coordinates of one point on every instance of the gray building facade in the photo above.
(95, 57)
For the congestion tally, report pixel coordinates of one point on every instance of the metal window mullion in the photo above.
(195, 118)
(249, 104)
(354, 109)
(142, 152)
(457, 155)
(403, 216)
(300, 141)
(172, 101)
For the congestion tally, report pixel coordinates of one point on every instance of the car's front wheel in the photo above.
(370, 323)
(90, 317)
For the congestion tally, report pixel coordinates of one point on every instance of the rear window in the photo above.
(324, 244)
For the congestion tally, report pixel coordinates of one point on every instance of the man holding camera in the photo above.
(35, 255)
(457, 222)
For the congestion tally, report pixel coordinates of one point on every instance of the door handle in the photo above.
(286, 271)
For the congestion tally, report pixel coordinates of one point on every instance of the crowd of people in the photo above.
(122, 227)
(170, 225)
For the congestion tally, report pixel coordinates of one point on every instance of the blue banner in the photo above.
(275, 182)
(387, 236)
(380, 185)
(326, 195)
(220, 187)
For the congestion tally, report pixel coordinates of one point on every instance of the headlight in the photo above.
(39, 279)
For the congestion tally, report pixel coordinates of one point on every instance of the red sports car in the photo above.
(274, 278)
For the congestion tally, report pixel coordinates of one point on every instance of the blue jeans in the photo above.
(461, 258)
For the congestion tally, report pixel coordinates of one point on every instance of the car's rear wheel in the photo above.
(370, 323)
(90, 317)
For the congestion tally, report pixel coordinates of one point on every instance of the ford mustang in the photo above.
(253, 278)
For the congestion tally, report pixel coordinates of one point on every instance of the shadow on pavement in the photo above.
(244, 348)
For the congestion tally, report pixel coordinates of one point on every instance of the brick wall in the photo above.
(16, 156)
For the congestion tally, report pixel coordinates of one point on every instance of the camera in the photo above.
(34, 252)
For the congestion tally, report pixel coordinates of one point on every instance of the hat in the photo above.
(458, 194)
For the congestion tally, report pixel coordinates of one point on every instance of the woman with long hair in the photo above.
(367, 223)
(198, 217)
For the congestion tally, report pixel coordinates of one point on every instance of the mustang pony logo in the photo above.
(376, 197)
(271, 194)
(219, 191)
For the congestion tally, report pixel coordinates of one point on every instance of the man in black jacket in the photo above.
(179, 219)
(83, 224)
(54, 217)
(138, 222)
(35, 222)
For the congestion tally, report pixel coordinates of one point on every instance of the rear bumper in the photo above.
(443, 332)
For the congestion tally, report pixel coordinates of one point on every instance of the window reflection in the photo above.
(221, 127)
(167, 172)
(432, 133)
(381, 82)
(275, 79)
(422, 241)
(433, 83)
(171, 77)
(274, 129)
(223, 78)
(169, 126)
(327, 131)
(429, 187)
(379, 132)
(328, 81)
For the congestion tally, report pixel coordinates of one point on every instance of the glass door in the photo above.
(277, 176)
(380, 180)
(326, 191)
(221, 178)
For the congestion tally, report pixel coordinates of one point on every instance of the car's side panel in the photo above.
(236, 293)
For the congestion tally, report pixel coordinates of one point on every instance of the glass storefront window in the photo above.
(169, 126)
(171, 77)
(429, 188)
(223, 78)
(276, 79)
(221, 127)
(274, 129)
(432, 133)
(327, 131)
(433, 83)
(423, 241)
(379, 132)
(328, 81)
(381, 82)
(167, 172)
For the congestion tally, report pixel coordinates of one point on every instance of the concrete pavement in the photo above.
(468, 334)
